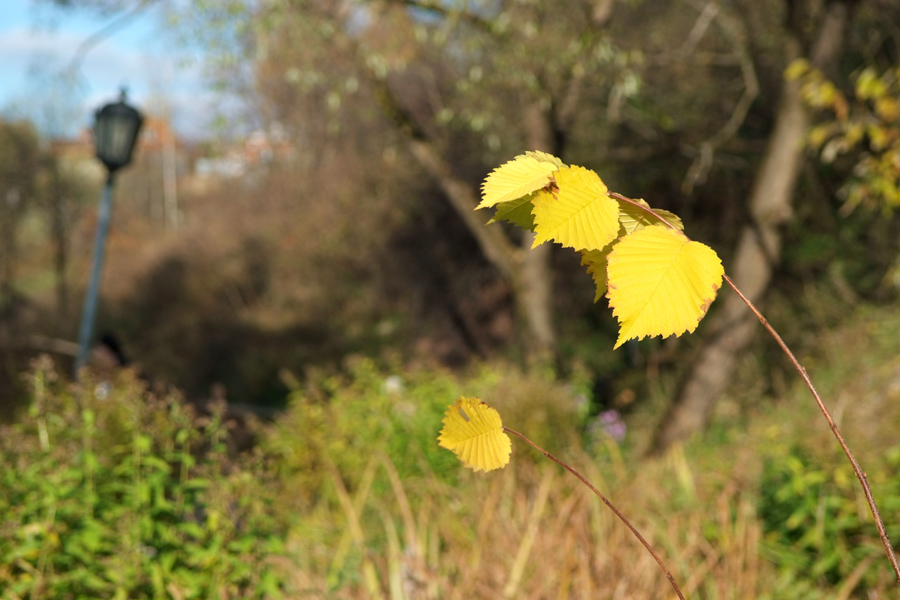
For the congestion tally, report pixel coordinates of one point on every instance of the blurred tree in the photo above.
(817, 32)
(682, 101)
(460, 87)
(20, 161)
(65, 190)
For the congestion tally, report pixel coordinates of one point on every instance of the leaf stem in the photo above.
(608, 503)
(863, 480)
(646, 209)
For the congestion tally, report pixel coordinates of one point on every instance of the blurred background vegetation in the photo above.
(298, 299)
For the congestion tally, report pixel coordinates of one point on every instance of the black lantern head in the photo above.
(116, 128)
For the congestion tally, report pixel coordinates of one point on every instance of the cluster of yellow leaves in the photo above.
(657, 280)
(867, 124)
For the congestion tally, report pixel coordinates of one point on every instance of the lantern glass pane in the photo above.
(115, 133)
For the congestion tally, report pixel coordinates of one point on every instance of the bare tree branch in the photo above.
(733, 30)
(708, 13)
(497, 248)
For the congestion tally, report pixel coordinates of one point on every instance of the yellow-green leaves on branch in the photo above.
(518, 211)
(474, 432)
(661, 283)
(519, 177)
(658, 281)
(633, 218)
(581, 215)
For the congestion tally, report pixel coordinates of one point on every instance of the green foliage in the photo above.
(126, 497)
(339, 420)
(350, 446)
(817, 525)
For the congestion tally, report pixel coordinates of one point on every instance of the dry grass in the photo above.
(532, 531)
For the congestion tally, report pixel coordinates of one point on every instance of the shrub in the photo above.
(118, 494)
(816, 522)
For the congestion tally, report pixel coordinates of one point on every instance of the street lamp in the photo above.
(116, 128)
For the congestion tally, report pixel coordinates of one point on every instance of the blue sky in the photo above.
(38, 42)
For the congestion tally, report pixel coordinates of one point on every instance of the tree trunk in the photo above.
(535, 295)
(535, 301)
(526, 271)
(463, 197)
(758, 250)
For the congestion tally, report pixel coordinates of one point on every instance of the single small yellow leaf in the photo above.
(474, 432)
(660, 283)
(595, 261)
(581, 216)
(797, 69)
(632, 218)
(519, 177)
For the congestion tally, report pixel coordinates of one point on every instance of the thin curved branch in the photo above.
(609, 504)
(863, 480)
(702, 23)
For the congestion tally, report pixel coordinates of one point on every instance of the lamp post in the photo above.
(116, 128)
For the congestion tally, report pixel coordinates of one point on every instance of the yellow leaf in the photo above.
(633, 218)
(473, 431)
(518, 211)
(519, 177)
(868, 85)
(595, 261)
(661, 283)
(581, 216)
(797, 69)
(819, 134)
(887, 108)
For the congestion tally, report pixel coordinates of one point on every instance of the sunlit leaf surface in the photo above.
(581, 216)
(633, 218)
(660, 283)
(519, 177)
(474, 432)
(518, 211)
